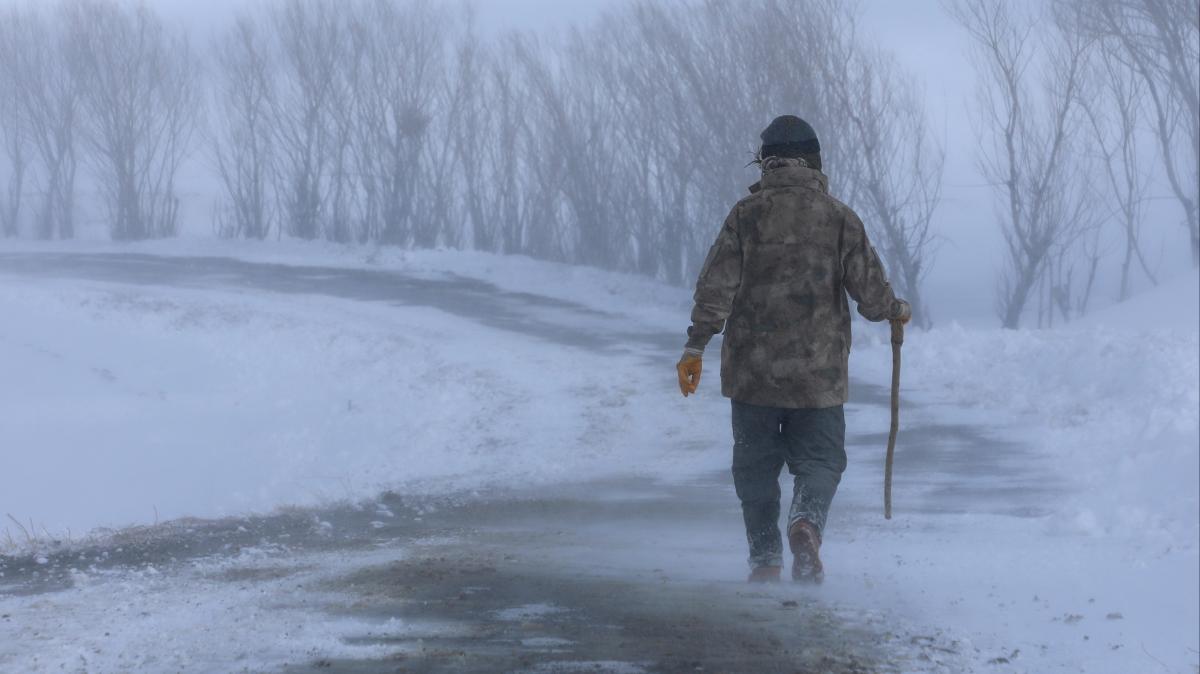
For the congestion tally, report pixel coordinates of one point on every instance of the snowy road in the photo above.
(528, 314)
(608, 574)
(600, 577)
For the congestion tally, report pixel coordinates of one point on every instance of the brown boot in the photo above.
(805, 543)
(765, 574)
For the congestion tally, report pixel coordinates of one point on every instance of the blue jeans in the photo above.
(812, 442)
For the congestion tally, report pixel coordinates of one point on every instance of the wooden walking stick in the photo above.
(897, 341)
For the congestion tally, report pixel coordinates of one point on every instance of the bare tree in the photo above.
(473, 136)
(512, 204)
(402, 47)
(1113, 113)
(13, 136)
(690, 86)
(575, 119)
(342, 184)
(311, 39)
(242, 144)
(140, 101)
(1071, 270)
(621, 144)
(629, 68)
(547, 233)
(1028, 152)
(1160, 41)
(659, 132)
(15, 152)
(46, 98)
(893, 167)
(642, 126)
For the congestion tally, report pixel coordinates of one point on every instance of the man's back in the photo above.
(777, 277)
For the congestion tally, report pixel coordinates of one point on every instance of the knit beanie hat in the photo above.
(790, 136)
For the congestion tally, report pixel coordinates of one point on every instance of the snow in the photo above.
(1116, 412)
(125, 404)
(993, 587)
(194, 620)
(1169, 306)
(528, 612)
(601, 666)
(208, 403)
(637, 296)
(1108, 580)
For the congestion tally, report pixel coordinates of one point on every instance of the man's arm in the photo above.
(716, 287)
(864, 276)
(719, 280)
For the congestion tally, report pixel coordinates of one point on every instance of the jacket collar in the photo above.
(787, 172)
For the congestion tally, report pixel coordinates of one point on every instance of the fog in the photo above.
(930, 82)
(343, 335)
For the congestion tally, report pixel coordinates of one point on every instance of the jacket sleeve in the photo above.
(863, 274)
(720, 278)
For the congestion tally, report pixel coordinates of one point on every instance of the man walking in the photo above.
(776, 281)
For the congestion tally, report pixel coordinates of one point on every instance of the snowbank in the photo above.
(1108, 579)
(1171, 306)
(130, 404)
(1113, 402)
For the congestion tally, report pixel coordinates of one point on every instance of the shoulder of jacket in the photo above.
(736, 212)
(844, 212)
(748, 200)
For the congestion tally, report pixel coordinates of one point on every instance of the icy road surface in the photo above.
(632, 569)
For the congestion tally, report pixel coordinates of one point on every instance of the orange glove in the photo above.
(689, 367)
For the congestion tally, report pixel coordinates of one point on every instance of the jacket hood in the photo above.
(790, 172)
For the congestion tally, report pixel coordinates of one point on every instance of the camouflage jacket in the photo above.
(776, 280)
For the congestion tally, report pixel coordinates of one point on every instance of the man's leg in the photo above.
(815, 441)
(816, 456)
(758, 456)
